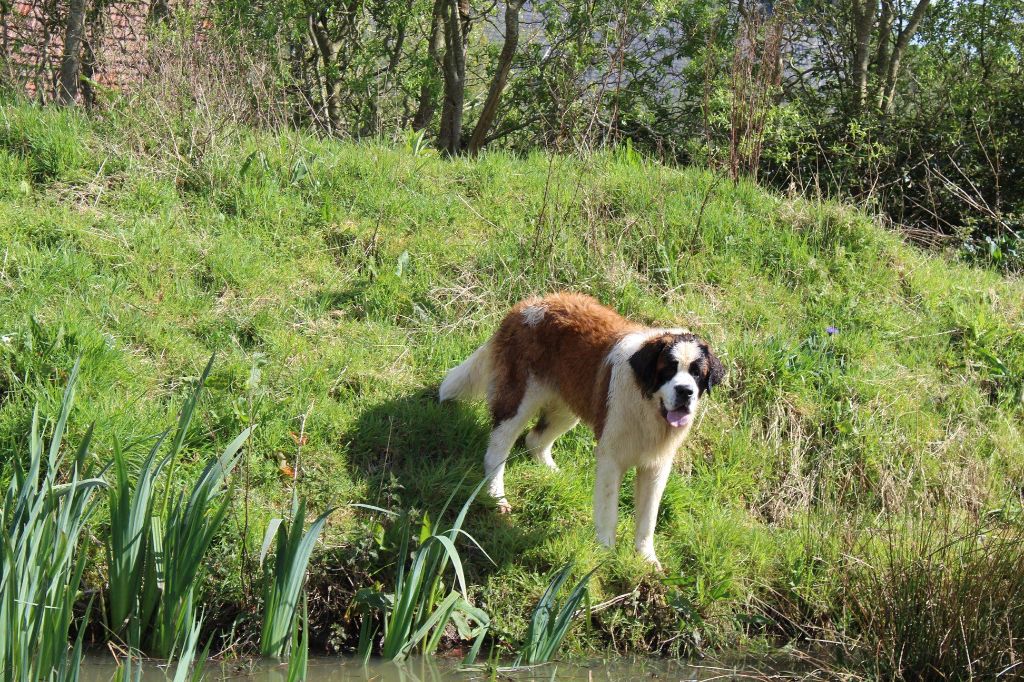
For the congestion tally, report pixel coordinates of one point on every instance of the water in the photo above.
(99, 668)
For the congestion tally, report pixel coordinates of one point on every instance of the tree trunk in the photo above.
(88, 72)
(71, 63)
(159, 11)
(898, 50)
(396, 51)
(508, 52)
(456, 24)
(336, 45)
(863, 19)
(882, 53)
(328, 50)
(427, 104)
(296, 52)
(373, 121)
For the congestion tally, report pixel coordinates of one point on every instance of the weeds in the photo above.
(941, 600)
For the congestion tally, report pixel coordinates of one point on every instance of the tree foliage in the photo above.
(911, 106)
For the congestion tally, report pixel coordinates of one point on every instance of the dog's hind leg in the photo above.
(555, 419)
(509, 421)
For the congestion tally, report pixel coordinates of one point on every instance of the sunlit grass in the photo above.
(938, 596)
(341, 281)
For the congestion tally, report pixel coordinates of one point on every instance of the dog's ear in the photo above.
(645, 365)
(716, 370)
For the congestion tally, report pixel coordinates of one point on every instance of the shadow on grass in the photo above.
(415, 453)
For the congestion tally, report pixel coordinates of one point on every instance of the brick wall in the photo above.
(32, 43)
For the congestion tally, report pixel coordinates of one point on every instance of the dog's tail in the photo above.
(468, 380)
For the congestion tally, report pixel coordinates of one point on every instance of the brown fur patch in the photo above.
(561, 341)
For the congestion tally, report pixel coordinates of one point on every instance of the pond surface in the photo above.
(99, 668)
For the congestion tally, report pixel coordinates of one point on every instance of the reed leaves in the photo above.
(155, 554)
(41, 567)
(423, 602)
(550, 621)
(283, 587)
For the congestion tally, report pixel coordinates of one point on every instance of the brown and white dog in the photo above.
(565, 357)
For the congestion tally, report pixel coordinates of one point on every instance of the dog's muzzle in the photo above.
(681, 414)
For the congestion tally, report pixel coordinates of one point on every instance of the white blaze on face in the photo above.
(680, 407)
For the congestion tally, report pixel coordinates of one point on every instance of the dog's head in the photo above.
(677, 369)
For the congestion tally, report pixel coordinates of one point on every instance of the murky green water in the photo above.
(101, 669)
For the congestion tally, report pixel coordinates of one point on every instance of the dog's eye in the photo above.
(695, 368)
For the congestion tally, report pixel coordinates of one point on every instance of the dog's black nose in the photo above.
(683, 394)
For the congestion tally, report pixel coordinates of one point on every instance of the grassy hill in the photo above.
(337, 282)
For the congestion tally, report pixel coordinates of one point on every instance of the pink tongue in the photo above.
(677, 418)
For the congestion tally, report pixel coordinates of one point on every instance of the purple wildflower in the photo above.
(831, 331)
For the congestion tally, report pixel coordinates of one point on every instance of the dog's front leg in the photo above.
(648, 488)
(606, 497)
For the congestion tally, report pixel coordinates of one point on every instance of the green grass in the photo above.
(338, 282)
(968, 574)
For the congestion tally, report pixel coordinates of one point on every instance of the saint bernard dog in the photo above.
(565, 357)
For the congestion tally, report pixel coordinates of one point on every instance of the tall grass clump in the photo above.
(185, 536)
(41, 567)
(190, 660)
(942, 600)
(156, 553)
(129, 544)
(128, 671)
(549, 621)
(282, 587)
(422, 604)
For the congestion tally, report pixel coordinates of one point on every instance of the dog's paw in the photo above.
(503, 506)
(651, 559)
